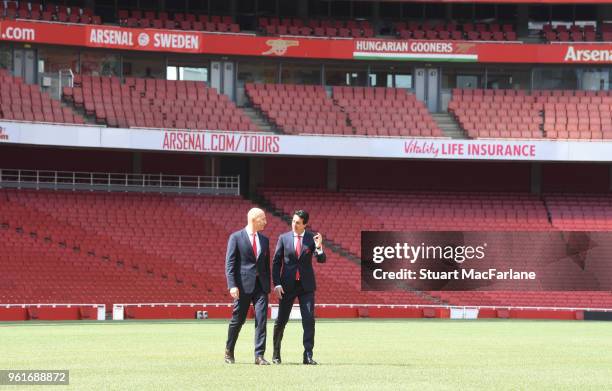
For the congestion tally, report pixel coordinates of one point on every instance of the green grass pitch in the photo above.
(354, 355)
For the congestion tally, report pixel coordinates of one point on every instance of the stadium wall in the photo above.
(580, 178)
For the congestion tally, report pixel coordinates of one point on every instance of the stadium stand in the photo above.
(385, 112)
(577, 114)
(298, 109)
(497, 113)
(156, 103)
(117, 247)
(455, 31)
(111, 248)
(39, 270)
(181, 21)
(553, 114)
(315, 27)
(343, 215)
(580, 212)
(574, 33)
(363, 111)
(22, 102)
(48, 12)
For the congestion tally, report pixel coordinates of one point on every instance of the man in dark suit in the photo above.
(293, 276)
(247, 269)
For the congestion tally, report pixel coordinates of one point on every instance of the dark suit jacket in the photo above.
(285, 262)
(241, 267)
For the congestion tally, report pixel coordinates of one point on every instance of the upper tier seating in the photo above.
(455, 31)
(296, 109)
(363, 111)
(551, 114)
(50, 12)
(23, 102)
(156, 103)
(179, 20)
(386, 112)
(497, 113)
(315, 27)
(574, 33)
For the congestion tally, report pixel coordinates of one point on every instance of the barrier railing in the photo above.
(98, 181)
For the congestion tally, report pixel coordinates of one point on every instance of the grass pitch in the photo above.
(354, 355)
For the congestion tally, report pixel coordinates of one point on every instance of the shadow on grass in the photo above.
(329, 364)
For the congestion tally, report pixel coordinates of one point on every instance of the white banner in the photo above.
(220, 142)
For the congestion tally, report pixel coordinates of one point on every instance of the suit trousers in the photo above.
(241, 307)
(307, 303)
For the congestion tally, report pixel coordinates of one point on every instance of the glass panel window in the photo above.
(555, 78)
(6, 57)
(100, 63)
(346, 75)
(257, 73)
(144, 66)
(508, 78)
(594, 79)
(301, 73)
(51, 60)
(459, 77)
(391, 76)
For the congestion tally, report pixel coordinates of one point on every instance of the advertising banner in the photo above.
(178, 41)
(250, 143)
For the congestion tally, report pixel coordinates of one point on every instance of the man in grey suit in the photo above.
(247, 269)
(293, 277)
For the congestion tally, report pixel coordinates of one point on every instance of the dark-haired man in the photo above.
(293, 276)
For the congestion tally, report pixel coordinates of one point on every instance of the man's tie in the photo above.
(255, 245)
(298, 251)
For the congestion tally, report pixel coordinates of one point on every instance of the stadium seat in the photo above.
(486, 32)
(22, 102)
(298, 99)
(386, 210)
(181, 21)
(385, 112)
(51, 12)
(170, 104)
(81, 247)
(504, 114)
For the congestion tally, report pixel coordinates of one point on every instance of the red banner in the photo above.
(176, 41)
(151, 40)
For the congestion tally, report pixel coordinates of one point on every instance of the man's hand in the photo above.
(279, 291)
(235, 292)
(318, 239)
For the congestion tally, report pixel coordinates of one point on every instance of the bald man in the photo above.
(247, 269)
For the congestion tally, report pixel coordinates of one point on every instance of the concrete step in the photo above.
(259, 120)
(448, 125)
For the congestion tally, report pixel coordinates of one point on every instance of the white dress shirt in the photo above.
(250, 234)
(319, 251)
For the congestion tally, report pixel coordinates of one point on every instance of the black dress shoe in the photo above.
(260, 360)
(229, 357)
(308, 360)
(276, 359)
